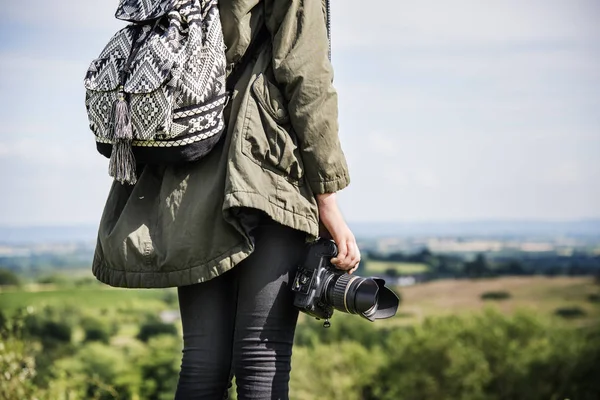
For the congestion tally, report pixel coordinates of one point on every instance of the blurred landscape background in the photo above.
(488, 310)
(472, 134)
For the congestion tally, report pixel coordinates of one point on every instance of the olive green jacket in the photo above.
(181, 225)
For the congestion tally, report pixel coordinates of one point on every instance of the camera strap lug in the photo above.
(326, 324)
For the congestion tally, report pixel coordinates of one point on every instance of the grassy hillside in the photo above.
(542, 295)
(95, 296)
(402, 268)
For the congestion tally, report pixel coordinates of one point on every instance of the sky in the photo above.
(449, 111)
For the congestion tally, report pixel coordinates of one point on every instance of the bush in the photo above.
(334, 371)
(50, 331)
(594, 298)
(495, 295)
(58, 331)
(18, 368)
(344, 327)
(153, 328)
(4, 324)
(170, 298)
(54, 279)
(160, 368)
(391, 272)
(477, 357)
(570, 312)
(488, 357)
(100, 372)
(95, 330)
(9, 278)
(87, 281)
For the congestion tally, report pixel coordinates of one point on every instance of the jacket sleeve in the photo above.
(304, 73)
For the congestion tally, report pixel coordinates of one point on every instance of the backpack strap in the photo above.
(262, 35)
(328, 25)
(249, 54)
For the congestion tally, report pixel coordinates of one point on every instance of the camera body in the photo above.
(310, 283)
(319, 288)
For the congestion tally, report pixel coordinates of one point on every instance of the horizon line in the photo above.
(350, 222)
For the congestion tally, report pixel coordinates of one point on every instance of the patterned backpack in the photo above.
(157, 91)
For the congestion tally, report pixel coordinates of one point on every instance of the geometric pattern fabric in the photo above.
(143, 10)
(169, 65)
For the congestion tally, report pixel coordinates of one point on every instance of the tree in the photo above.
(8, 278)
(391, 272)
(477, 268)
(397, 256)
(513, 267)
(100, 372)
(153, 328)
(424, 254)
(160, 368)
(95, 330)
(50, 331)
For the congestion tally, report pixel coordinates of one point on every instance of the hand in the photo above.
(334, 226)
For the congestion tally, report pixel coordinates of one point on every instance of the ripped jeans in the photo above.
(242, 323)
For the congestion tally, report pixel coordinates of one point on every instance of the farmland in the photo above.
(542, 295)
(400, 268)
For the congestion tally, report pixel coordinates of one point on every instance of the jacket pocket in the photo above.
(269, 138)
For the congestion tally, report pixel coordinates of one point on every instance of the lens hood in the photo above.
(387, 304)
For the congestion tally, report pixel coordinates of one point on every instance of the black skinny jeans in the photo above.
(243, 323)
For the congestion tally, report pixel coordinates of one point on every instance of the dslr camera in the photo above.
(319, 288)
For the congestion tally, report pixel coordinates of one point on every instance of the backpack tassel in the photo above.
(122, 162)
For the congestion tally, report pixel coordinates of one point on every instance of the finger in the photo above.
(342, 253)
(352, 255)
(353, 269)
(344, 263)
(355, 258)
(350, 261)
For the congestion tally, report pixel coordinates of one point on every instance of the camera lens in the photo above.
(352, 294)
(356, 295)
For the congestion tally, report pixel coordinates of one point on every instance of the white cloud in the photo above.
(46, 153)
(57, 14)
(430, 22)
(462, 109)
(22, 65)
(46, 182)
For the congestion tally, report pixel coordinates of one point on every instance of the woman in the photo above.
(230, 229)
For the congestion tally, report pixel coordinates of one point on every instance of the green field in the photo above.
(402, 268)
(90, 297)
